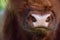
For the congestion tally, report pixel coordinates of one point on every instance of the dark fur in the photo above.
(14, 22)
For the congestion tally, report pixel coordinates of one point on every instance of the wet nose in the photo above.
(39, 20)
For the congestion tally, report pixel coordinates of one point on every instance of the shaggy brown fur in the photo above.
(14, 19)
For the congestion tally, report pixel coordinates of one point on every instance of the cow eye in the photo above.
(48, 19)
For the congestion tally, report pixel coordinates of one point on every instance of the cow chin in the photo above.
(40, 32)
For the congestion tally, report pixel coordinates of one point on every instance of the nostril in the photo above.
(33, 19)
(48, 19)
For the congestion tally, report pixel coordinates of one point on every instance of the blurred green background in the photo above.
(2, 8)
(2, 4)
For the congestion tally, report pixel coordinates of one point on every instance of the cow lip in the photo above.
(40, 28)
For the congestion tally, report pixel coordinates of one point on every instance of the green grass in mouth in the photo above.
(40, 28)
(39, 32)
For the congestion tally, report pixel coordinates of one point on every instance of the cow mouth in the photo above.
(40, 31)
(40, 28)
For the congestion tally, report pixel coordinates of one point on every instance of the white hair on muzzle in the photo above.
(41, 20)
